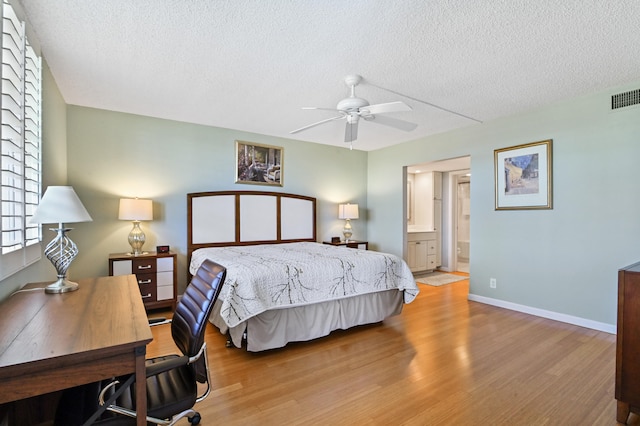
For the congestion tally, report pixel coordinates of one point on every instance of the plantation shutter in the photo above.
(20, 137)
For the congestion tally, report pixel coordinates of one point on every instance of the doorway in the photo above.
(462, 219)
(454, 213)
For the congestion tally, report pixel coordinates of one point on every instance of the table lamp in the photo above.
(60, 205)
(135, 209)
(347, 212)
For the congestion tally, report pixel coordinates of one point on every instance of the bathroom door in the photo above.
(463, 219)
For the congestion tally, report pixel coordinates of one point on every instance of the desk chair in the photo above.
(172, 388)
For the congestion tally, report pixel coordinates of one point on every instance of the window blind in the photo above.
(20, 139)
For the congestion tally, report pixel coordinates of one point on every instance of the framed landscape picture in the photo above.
(259, 164)
(523, 176)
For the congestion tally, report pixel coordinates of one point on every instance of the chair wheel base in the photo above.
(195, 419)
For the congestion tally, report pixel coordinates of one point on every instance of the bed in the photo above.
(282, 286)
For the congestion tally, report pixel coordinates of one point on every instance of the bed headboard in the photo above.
(232, 218)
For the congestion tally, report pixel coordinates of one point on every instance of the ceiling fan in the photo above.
(353, 108)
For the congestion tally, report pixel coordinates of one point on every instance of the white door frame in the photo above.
(453, 194)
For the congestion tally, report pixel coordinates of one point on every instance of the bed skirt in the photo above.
(275, 328)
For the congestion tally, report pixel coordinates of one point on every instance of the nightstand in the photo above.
(156, 274)
(362, 245)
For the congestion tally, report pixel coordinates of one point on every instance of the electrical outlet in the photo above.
(492, 282)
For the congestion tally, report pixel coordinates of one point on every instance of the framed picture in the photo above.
(259, 164)
(523, 176)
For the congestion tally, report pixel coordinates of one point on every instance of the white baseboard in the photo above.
(582, 322)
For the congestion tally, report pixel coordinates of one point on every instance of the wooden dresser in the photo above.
(628, 343)
(155, 273)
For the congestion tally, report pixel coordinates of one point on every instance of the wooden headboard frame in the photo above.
(235, 218)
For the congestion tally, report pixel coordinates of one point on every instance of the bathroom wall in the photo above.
(422, 201)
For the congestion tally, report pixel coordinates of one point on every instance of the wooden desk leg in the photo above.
(141, 386)
(622, 413)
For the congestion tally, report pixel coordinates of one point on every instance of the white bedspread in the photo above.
(272, 276)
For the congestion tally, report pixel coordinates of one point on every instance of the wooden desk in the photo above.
(50, 342)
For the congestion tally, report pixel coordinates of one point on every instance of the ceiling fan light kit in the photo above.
(352, 108)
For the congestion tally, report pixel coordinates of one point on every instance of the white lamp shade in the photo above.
(135, 209)
(347, 211)
(60, 204)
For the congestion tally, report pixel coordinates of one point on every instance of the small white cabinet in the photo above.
(421, 251)
(417, 255)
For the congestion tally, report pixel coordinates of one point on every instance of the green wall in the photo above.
(113, 155)
(562, 261)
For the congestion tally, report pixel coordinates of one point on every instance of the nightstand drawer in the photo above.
(146, 279)
(147, 284)
(143, 266)
(164, 285)
(164, 264)
(121, 267)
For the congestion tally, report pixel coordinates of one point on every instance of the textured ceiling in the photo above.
(251, 65)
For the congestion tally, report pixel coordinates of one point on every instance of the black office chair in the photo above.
(172, 381)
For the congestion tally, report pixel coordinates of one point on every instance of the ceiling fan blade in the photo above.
(384, 108)
(394, 122)
(316, 124)
(322, 109)
(351, 132)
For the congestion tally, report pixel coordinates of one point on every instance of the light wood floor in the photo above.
(443, 361)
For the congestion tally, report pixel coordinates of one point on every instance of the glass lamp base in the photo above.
(347, 231)
(136, 239)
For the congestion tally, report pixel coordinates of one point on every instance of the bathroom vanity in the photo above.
(422, 251)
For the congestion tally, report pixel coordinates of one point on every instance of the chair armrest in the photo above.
(166, 365)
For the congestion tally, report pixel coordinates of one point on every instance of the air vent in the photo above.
(625, 99)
